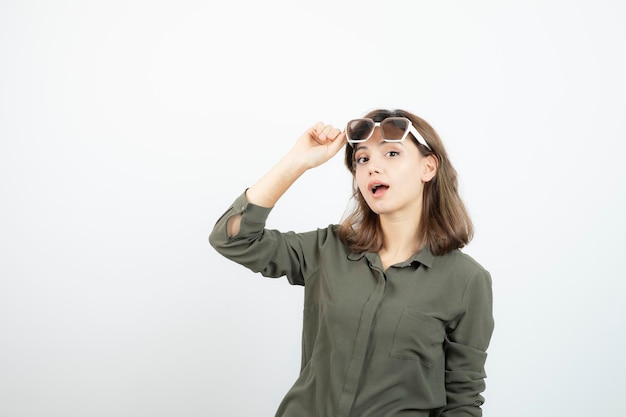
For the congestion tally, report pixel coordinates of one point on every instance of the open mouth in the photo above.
(378, 189)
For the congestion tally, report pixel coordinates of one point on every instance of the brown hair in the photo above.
(445, 224)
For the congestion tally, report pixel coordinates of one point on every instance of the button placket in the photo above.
(361, 344)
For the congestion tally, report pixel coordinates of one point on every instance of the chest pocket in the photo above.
(418, 337)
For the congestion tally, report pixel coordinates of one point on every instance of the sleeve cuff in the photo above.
(250, 212)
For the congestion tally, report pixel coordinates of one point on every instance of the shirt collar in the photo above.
(424, 257)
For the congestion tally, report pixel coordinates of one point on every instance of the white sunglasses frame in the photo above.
(411, 129)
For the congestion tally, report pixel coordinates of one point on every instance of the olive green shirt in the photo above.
(407, 341)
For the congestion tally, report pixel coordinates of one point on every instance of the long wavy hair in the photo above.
(445, 224)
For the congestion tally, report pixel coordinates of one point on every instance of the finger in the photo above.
(330, 133)
(314, 131)
(337, 143)
(319, 125)
(316, 128)
(333, 133)
(323, 135)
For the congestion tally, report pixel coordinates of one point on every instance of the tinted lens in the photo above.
(359, 129)
(394, 128)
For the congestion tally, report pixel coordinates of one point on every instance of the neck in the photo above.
(401, 235)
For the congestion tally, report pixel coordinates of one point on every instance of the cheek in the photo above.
(410, 177)
(361, 182)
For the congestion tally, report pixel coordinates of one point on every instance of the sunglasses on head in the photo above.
(393, 129)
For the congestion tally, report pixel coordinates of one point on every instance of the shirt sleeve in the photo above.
(466, 346)
(269, 252)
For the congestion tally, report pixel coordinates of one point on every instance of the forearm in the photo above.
(269, 188)
(316, 146)
(466, 349)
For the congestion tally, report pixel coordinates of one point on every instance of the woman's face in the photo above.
(391, 176)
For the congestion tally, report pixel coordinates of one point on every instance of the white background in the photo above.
(128, 127)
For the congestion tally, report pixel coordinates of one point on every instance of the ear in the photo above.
(430, 166)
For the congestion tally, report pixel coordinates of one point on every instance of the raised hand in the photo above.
(317, 145)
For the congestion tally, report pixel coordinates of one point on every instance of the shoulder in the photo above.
(322, 237)
(459, 258)
(464, 280)
(329, 235)
(458, 265)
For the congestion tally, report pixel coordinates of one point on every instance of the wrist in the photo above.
(293, 164)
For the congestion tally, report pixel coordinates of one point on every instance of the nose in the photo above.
(375, 166)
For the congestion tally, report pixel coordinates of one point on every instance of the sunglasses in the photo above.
(393, 129)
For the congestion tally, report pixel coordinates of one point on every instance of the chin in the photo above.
(378, 208)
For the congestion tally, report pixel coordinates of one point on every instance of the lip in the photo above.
(380, 192)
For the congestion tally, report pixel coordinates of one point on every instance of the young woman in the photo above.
(397, 319)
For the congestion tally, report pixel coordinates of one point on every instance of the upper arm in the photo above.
(466, 348)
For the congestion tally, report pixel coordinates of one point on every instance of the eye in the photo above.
(393, 154)
(361, 160)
